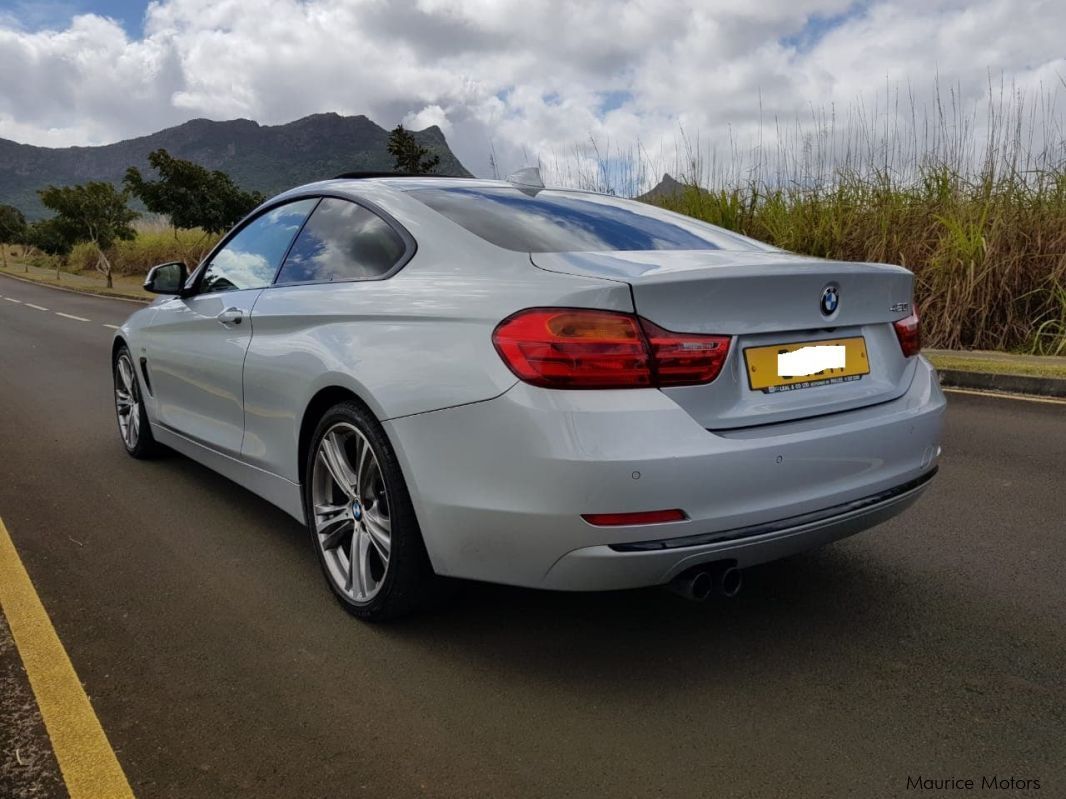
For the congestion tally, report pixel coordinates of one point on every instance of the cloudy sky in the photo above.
(526, 78)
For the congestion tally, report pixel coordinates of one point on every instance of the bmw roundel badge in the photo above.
(830, 300)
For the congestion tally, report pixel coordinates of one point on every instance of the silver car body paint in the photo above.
(500, 471)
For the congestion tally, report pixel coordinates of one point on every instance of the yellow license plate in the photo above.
(762, 363)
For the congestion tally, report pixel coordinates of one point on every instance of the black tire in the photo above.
(144, 445)
(409, 582)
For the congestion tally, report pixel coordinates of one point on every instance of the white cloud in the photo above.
(430, 115)
(527, 78)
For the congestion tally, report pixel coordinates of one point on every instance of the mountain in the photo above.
(267, 158)
(664, 189)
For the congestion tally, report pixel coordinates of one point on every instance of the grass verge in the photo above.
(125, 286)
(1000, 364)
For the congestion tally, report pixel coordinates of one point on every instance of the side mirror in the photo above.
(167, 278)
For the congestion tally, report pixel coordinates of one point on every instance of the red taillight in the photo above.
(642, 517)
(561, 348)
(909, 333)
(582, 348)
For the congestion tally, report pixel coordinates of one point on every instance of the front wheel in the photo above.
(361, 520)
(133, 424)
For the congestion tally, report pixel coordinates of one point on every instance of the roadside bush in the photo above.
(989, 255)
(153, 244)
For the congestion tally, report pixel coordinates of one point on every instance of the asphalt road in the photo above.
(220, 665)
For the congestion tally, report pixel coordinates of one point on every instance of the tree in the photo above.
(95, 212)
(12, 228)
(52, 237)
(411, 157)
(190, 195)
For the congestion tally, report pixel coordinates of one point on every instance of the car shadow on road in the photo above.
(857, 619)
(793, 612)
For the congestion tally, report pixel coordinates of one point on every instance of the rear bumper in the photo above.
(623, 566)
(499, 486)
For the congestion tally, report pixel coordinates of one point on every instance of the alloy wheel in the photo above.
(127, 401)
(352, 523)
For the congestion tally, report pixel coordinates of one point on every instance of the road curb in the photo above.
(1013, 384)
(72, 290)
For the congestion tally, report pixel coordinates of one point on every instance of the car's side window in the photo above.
(250, 259)
(342, 241)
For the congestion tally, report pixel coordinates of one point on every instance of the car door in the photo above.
(196, 344)
(326, 312)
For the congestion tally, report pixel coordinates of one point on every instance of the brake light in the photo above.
(560, 348)
(909, 333)
(684, 359)
(584, 348)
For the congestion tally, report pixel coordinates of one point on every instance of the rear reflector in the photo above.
(644, 517)
(909, 333)
(584, 348)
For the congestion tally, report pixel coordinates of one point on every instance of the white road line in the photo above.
(1004, 395)
(71, 316)
(38, 307)
(12, 299)
(113, 327)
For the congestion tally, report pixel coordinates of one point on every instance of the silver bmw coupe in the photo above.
(496, 381)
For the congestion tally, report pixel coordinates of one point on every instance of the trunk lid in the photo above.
(764, 299)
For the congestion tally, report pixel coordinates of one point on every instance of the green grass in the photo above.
(154, 244)
(997, 366)
(988, 253)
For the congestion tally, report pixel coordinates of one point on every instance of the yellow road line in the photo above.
(90, 768)
(1002, 395)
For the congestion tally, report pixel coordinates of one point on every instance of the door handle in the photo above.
(231, 316)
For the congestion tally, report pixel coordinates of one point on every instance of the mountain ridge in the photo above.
(667, 188)
(266, 158)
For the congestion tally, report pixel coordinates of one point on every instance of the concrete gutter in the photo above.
(1039, 375)
(1014, 384)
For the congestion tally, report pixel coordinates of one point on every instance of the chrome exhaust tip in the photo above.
(728, 581)
(695, 585)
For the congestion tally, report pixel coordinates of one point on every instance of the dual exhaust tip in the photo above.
(697, 584)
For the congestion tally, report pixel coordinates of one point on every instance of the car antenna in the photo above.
(527, 180)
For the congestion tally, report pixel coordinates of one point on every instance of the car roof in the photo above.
(375, 187)
(426, 182)
(364, 186)
(367, 188)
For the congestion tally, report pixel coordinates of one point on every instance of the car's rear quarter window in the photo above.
(342, 241)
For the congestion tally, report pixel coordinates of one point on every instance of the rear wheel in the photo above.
(361, 520)
(133, 424)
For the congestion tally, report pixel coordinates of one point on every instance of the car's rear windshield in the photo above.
(562, 221)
